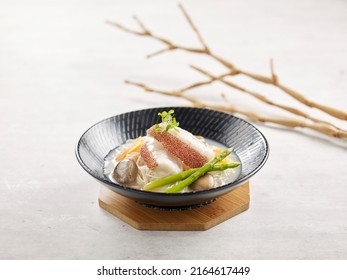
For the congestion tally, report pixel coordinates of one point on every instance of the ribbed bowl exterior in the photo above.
(247, 141)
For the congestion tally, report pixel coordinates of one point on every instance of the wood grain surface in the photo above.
(200, 218)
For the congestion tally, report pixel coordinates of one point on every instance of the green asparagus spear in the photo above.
(185, 174)
(224, 166)
(198, 173)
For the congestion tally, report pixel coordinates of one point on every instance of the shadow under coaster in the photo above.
(199, 218)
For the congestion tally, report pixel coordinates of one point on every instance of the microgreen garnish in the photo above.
(169, 121)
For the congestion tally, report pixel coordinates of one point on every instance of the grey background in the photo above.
(62, 69)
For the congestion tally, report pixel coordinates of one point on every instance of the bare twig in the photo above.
(179, 93)
(317, 125)
(195, 29)
(292, 123)
(146, 32)
(262, 98)
(273, 80)
(273, 75)
(121, 27)
(296, 95)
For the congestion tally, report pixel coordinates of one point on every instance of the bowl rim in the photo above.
(129, 189)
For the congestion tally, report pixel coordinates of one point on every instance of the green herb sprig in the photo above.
(168, 119)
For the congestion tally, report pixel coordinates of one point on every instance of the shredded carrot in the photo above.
(135, 147)
(217, 152)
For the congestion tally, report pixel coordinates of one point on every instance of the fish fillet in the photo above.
(183, 145)
(158, 159)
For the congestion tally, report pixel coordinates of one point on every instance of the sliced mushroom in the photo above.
(203, 183)
(125, 172)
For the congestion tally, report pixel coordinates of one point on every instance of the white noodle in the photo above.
(146, 175)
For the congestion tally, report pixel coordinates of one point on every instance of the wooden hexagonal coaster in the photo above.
(200, 218)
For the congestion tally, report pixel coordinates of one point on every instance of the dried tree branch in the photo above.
(121, 27)
(273, 75)
(141, 25)
(261, 97)
(292, 123)
(296, 95)
(178, 93)
(146, 32)
(195, 29)
(273, 80)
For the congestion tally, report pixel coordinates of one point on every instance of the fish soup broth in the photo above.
(146, 175)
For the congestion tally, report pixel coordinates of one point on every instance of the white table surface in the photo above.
(62, 69)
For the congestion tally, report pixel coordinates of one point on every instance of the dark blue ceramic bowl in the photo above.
(248, 142)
